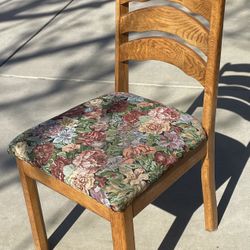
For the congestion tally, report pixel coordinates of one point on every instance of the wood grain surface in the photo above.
(166, 50)
(200, 7)
(34, 173)
(123, 229)
(166, 19)
(121, 68)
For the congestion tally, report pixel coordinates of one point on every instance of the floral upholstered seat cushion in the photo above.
(112, 147)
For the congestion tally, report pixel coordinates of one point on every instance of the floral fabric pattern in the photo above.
(112, 147)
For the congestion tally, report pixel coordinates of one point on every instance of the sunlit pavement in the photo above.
(55, 54)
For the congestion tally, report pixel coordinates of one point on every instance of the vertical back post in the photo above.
(213, 64)
(121, 68)
(209, 110)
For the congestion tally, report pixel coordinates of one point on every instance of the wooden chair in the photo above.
(192, 32)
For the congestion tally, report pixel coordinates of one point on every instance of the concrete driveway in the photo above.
(55, 54)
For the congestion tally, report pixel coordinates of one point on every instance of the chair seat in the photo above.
(112, 147)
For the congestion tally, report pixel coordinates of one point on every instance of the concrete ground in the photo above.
(55, 54)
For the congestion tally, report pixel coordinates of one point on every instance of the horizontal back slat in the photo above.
(166, 50)
(166, 19)
(200, 7)
(127, 1)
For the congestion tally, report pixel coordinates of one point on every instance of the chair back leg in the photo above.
(34, 209)
(123, 230)
(208, 189)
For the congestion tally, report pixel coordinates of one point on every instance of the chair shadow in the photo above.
(64, 227)
(182, 202)
(178, 196)
(232, 97)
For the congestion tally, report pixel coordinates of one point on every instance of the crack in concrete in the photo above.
(36, 33)
(173, 84)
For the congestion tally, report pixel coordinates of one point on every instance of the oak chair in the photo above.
(44, 156)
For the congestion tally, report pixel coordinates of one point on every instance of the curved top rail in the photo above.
(200, 7)
(166, 19)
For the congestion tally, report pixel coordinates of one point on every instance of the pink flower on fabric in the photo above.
(95, 114)
(141, 149)
(154, 127)
(164, 159)
(57, 167)
(94, 103)
(176, 129)
(172, 140)
(101, 181)
(91, 160)
(164, 114)
(145, 104)
(118, 106)
(70, 147)
(124, 128)
(133, 116)
(89, 138)
(99, 126)
(83, 181)
(43, 153)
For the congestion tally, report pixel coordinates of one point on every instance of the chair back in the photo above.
(190, 33)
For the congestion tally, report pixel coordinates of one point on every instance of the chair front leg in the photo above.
(34, 208)
(208, 188)
(123, 230)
